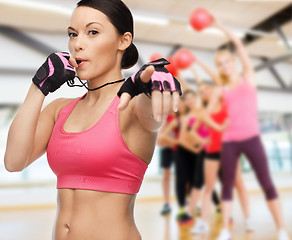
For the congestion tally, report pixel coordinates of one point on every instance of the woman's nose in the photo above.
(79, 44)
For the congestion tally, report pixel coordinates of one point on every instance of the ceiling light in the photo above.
(280, 42)
(37, 6)
(216, 31)
(151, 20)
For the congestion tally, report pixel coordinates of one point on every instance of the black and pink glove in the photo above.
(161, 80)
(55, 71)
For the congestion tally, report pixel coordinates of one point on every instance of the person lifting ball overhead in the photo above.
(242, 134)
(99, 145)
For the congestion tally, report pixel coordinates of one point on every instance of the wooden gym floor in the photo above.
(36, 223)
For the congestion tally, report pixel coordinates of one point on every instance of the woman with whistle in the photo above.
(99, 145)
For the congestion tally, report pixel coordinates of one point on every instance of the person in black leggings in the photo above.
(188, 161)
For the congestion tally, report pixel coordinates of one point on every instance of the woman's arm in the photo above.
(183, 83)
(165, 137)
(242, 52)
(192, 148)
(151, 111)
(212, 124)
(160, 141)
(214, 77)
(197, 77)
(29, 132)
(215, 98)
(31, 129)
(184, 137)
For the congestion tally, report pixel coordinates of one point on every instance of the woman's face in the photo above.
(94, 40)
(181, 107)
(190, 100)
(205, 92)
(225, 64)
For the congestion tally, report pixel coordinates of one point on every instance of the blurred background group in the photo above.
(32, 29)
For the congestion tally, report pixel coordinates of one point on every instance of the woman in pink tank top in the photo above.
(212, 162)
(99, 145)
(242, 134)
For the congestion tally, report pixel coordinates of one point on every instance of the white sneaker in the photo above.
(248, 225)
(283, 235)
(200, 227)
(224, 235)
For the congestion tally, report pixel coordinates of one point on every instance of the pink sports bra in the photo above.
(203, 131)
(95, 159)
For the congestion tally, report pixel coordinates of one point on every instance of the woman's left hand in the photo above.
(155, 81)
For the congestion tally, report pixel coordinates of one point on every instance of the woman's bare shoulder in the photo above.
(56, 106)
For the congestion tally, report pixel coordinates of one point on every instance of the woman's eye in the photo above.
(71, 35)
(93, 32)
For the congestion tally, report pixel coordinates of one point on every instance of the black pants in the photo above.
(189, 173)
(199, 176)
(166, 157)
(189, 169)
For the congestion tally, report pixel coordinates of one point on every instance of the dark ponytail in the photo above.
(121, 17)
(130, 57)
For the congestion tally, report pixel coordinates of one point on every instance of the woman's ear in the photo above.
(126, 40)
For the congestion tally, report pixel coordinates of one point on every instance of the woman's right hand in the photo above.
(225, 125)
(203, 142)
(55, 71)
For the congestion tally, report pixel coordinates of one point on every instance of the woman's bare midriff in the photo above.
(93, 215)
